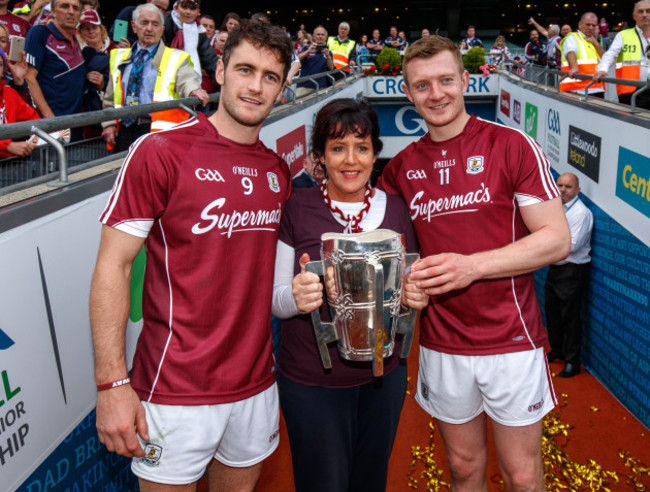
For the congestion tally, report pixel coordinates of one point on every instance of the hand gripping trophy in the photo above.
(364, 274)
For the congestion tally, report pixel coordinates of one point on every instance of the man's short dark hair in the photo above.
(342, 117)
(260, 35)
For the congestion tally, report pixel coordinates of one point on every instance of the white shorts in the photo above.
(513, 389)
(183, 439)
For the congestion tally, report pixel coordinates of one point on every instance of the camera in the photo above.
(320, 47)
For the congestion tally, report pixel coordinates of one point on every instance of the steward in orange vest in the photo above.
(581, 53)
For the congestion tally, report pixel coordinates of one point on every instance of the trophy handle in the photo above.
(376, 334)
(406, 321)
(325, 332)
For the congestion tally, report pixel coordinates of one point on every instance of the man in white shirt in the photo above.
(567, 279)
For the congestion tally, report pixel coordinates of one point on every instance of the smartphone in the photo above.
(120, 29)
(17, 48)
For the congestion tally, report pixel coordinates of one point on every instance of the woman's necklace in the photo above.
(353, 221)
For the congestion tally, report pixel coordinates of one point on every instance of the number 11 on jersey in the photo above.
(444, 176)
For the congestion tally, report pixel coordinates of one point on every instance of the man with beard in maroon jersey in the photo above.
(487, 213)
(205, 198)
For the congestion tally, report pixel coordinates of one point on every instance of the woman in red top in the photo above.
(12, 110)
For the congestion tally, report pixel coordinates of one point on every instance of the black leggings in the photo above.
(341, 438)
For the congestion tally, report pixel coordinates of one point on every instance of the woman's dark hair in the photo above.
(342, 117)
(229, 15)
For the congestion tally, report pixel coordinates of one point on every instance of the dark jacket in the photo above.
(207, 56)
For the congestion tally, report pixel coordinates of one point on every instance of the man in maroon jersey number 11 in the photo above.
(205, 197)
(487, 213)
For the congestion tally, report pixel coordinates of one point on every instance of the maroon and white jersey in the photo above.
(464, 196)
(210, 211)
(17, 26)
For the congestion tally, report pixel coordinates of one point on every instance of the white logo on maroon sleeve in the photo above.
(209, 175)
(248, 220)
(417, 174)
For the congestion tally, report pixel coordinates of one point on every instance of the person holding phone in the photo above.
(15, 71)
(314, 58)
(121, 31)
(13, 109)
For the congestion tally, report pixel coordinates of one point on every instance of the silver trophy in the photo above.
(363, 275)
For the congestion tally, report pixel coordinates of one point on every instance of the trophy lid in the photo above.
(365, 237)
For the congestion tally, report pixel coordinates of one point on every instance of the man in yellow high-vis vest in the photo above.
(630, 50)
(342, 47)
(148, 73)
(581, 53)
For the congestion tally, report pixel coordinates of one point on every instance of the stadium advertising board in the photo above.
(616, 337)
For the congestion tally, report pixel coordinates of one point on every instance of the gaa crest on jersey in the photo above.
(475, 164)
(274, 184)
(152, 454)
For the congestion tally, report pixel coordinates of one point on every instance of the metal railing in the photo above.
(15, 170)
(551, 77)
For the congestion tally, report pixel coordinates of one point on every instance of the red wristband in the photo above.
(113, 384)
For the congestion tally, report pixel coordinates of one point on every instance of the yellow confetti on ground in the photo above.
(560, 472)
(638, 468)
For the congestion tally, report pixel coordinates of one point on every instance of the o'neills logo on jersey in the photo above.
(449, 204)
(445, 163)
(244, 171)
(236, 221)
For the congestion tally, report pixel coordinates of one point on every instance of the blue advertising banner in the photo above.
(402, 120)
(81, 464)
(616, 315)
(633, 180)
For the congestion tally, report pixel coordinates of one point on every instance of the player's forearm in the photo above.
(109, 310)
(543, 247)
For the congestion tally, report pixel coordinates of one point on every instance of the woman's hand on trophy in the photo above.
(412, 296)
(330, 284)
(307, 288)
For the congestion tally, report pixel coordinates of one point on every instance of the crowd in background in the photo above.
(32, 86)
